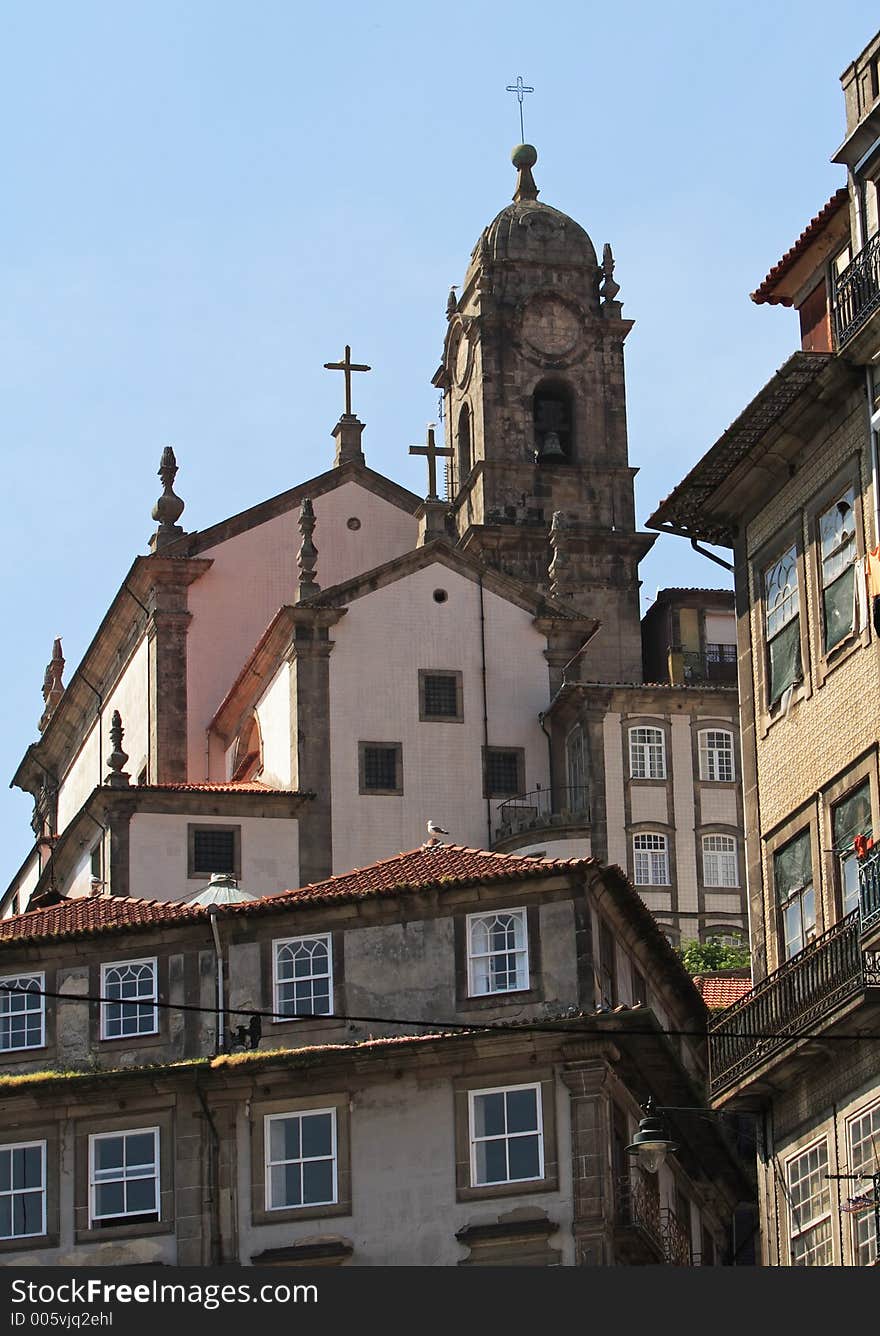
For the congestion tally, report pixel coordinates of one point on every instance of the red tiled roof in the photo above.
(444, 866)
(719, 991)
(240, 786)
(764, 293)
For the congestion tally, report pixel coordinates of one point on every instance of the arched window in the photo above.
(553, 419)
(248, 752)
(463, 444)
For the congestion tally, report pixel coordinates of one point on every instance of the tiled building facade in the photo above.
(792, 489)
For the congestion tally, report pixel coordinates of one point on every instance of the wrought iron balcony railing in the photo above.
(639, 1209)
(869, 889)
(798, 994)
(716, 663)
(856, 294)
(676, 1239)
(543, 808)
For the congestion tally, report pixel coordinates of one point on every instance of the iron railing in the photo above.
(715, 663)
(799, 993)
(639, 1209)
(856, 294)
(676, 1239)
(542, 808)
(869, 889)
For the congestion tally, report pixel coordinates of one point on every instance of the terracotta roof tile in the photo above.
(719, 991)
(443, 867)
(764, 293)
(240, 786)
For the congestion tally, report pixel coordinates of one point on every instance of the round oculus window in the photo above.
(440, 596)
(353, 523)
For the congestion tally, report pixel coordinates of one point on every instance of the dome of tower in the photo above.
(529, 230)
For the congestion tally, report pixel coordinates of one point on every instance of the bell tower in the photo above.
(535, 413)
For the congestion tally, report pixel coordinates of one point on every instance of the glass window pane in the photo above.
(852, 817)
(29, 1167)
(284, 1139)
(5, 1170)
(109, 1199)
(109, 1153)
(317, 1134)
(785, 659)
(29, 1213)
(793, 866)
(286, 1189)
(522, 1110)
(839, 604)
(140, 1149)
(318, 1181)
(489, 1115)
(491, 1161)
(5, 1217)
(524, 1157)
(141, 1194)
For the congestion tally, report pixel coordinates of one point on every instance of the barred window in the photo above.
(837, 536)
(22, 1012)
(809, 1195)
(304, 977)
(503, 767)
(440, 695)
(214, 849)
(782, 616)
(381, 768)
(716, 755)
(650, 860)
(647, 753)
(720, 861)
(129, 992)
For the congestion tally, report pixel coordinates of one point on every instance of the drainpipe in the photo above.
(541, 717)
(221, 1033)
(485, 709)
(872, 434)
(213, 1183)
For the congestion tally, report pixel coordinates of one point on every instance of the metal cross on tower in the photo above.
(520, 89)
(433, 452)
(347, 366)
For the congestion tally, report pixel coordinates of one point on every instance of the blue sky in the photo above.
(205, 201)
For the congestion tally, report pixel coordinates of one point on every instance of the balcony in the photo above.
(856, 293)
(676, 1239)
(540, 811)
(715, 663)
(799, 995)
(869, 890)
(639, 1236)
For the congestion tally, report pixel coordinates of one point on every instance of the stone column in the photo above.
(166, 631)
(309, 660)
(592, 1197)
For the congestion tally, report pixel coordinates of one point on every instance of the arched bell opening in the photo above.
(553, 422)
(463, 449)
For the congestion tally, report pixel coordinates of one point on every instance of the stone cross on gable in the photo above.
(346, 366)
(432, 451)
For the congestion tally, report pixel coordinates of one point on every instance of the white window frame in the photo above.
(715, 757)
(281, 944)
(141, 1000)
(123, 1176)
(643, 761)
(473, 1139)
(652, 853)
(718, 857)
(834, 564)
(521, 953)
(786, 607)
(269, 1163)
(38, 977)
(815, 1223)
(12, 1191)
(866, 1217)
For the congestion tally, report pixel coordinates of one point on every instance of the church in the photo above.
(317, 958)
(299, 689)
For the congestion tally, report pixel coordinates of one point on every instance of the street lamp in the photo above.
(651, 1143)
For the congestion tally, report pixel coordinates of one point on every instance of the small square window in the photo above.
(124, 1177)
(380, 767)
(303, 977)
(129, 1007)
(300, 1159)
(506, 1135)
(498, 952)
(214, 849)
(440, 695)
(504, 770)
(22, 1012)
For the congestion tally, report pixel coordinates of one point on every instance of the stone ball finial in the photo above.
(524, 155)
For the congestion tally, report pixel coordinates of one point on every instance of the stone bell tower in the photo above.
(535, 413)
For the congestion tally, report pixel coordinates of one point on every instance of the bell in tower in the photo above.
(534, 404)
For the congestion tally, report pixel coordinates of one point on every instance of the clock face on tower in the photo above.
(550, 326)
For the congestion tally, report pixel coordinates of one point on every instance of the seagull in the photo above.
(433, 832)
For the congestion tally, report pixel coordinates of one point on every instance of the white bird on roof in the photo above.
(434, 831)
